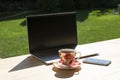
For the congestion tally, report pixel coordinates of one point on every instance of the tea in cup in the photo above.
(67, 56)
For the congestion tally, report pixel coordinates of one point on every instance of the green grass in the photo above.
(97, 27)
(92, 26)
(13, 38)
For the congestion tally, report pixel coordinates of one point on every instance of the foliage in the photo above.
(48, 6)
(43, 6)
(55, 5)
(17, 5)
(83, 4)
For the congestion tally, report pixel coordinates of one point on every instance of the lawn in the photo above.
(92, 26)
(96, 26)
(13, 38)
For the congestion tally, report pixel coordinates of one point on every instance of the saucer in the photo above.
(75, 64)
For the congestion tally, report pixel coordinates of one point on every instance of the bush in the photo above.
(56, 5)
(15, 5)
(87, 4)
(47, 6)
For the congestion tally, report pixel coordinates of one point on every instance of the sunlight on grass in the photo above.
(109, 17)
(13, 38)
(98, 28)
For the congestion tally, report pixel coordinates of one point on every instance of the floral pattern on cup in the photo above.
(67, 56)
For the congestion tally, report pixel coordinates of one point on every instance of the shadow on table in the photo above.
(29, 62)
(66, 73)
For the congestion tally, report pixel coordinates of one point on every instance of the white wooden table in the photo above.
(27, 67)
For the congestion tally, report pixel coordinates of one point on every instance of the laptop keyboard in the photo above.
(47, 55)
(47, 58)
(50, 55)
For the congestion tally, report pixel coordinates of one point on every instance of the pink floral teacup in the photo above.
(67, 56)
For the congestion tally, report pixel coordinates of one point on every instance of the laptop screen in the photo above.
(51, 30)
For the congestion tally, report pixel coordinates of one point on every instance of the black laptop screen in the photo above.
(51, 30)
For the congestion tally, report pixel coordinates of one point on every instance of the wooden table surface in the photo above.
(26, 67)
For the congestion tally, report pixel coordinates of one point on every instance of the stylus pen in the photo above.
(94, 54)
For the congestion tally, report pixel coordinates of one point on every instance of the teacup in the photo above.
(67, 56)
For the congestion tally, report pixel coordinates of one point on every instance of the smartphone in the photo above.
(97, 61)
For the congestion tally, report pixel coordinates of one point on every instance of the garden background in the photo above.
(97, 20)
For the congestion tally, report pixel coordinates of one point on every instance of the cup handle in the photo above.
(78, 55)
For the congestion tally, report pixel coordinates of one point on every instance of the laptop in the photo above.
(47, 33)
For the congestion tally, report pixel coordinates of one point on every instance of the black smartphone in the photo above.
(97, 61)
